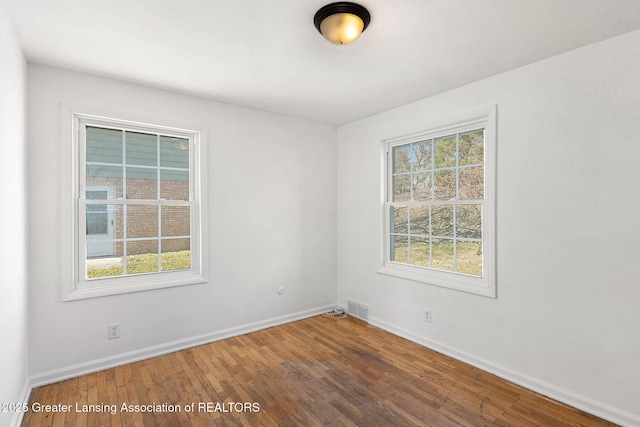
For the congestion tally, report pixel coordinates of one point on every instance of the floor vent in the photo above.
(356, 309)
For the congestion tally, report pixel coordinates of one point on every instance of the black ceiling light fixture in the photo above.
(342, 22)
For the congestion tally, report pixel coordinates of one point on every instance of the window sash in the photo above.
(431, 169)
(83, 253)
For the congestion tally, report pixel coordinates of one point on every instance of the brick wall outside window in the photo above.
(142, 220)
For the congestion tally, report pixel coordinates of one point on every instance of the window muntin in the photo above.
(137, 208)
(436, 199)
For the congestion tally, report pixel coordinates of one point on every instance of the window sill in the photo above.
(99, 288)
(460, 282)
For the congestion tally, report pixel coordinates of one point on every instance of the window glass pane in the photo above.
(174, 185)
(399, 220)
(445, 151)
(469, 221)
(471, 185)
(442, 254)
(118, 225)
(422, 185)
(442, 221)
(103, 253)
(174, 152)
(401, 188)
(421, 155)
(420, 251)
(176, 254)
(401, 159)
(399, 249)
(471, 148)
(142, 149)
(420, 220)
(142, 183)
(104, 176)
(142, 221)
(97, 193)
(100, 229)
(103, 145)
(142, 257)
(175, 221)
(444, 186)
(104, 267)
(469, 258)
(97, 219)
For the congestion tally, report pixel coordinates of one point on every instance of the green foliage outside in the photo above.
(144, 263)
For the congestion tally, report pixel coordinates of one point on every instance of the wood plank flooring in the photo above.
(320, 371)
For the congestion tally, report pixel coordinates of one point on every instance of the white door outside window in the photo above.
(99, 223)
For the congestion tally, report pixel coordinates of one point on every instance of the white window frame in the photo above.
(486, 284)
(75, 285)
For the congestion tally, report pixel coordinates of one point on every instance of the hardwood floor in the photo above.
(320, 371)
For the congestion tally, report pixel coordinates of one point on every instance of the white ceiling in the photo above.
(266, 54)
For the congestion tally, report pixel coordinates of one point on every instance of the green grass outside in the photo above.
(145, 263)
(469, 256)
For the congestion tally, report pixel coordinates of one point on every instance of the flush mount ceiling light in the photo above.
(342, 22)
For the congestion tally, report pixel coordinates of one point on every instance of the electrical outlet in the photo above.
(427, 315)
(113, 331)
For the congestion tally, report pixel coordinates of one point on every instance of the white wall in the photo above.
(566, 318)
(272, 204)
(13, 219)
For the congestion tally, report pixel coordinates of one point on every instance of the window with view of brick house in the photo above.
(138, 207)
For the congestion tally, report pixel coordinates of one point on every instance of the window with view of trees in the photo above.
(137, 206)
(437, 188)
(439, 220)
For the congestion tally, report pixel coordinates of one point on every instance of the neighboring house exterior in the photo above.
(149, 167)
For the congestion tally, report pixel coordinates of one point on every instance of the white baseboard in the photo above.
(575, 400)
(16, 420)
(67, 372)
